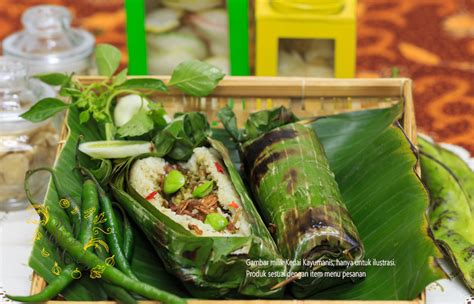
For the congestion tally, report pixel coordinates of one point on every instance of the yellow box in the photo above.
(272, 25)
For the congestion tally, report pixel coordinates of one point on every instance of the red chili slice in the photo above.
(218, 167)
(233, 205)
(151, 195)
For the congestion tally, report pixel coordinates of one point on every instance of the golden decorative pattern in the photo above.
(56, 270)
(64, 203)
(97, 271)
(110, 260)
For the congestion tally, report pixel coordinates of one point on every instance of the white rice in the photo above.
(146, 174)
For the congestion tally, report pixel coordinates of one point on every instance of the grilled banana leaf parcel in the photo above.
(201, 221)
(451, 217)
(299, 199)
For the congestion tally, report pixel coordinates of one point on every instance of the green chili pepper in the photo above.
(57, 285)
(118, 293)
(203, 189)
(128, 237)
(52, 289)
(173, 182)
(90, 209)
(114, 237)
(68, 204)
(113, 275)
(115, 292)
(217, 221)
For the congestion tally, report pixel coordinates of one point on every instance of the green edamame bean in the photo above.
(217, 221)
(203, 189)
(173, 182)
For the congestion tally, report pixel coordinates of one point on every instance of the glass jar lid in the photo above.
(47, 38)
(17, 95)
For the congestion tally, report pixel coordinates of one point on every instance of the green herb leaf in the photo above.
(121, 77)
(139, 124)
(69, 91)
(228, 119)
(257, 123)
(107, 58)
(44, 109)
(157, 113)
(196, 78)
(144, 84)
(53, 79)
(84, 117)
(266, 120)
(186, 132)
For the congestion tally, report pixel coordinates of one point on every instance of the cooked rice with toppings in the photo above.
(147, 177)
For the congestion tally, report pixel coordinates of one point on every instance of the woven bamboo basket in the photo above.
(305, 97)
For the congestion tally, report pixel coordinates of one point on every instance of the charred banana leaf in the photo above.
(300, 199)
(450, 213)
(209, 266)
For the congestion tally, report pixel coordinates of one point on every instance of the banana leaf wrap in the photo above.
(299, 197)
(450, 214)
(206, 265)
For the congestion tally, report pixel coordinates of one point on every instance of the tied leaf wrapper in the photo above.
(298, 195)
(209, 266)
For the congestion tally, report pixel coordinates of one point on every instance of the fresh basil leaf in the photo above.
(139, 124)
(144, 84)
(157, 113)
(44, 109)
(121, 77)
(266, 120)
(69, 92)
(107, 58)
(228, 119)
(84, 117)
(173, 142)
(196, 78)
(179, 138)
(53, 79)
(257, 123)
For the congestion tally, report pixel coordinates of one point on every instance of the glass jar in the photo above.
(49, 44)
(23, 145)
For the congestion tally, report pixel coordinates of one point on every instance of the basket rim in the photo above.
(256, 86)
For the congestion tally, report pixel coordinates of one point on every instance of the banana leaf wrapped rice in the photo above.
(196, 213)
(298, 197)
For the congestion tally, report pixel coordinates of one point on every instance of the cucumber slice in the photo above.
(115, 148)
(163, 20)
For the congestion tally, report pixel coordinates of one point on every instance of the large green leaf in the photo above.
(450, 183)
(374, 167)
(195, 77)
